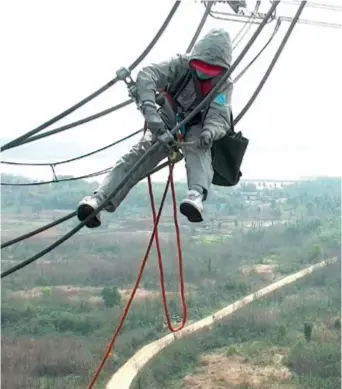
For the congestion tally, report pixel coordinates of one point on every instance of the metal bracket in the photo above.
(53, 172)
(124, 74)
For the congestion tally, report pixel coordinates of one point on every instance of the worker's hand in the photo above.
(205, 140)
(152, 117)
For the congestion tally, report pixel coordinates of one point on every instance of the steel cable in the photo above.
(44, 228)
(98, 173)
(272, 64)
(147, 153)
(115, 107)
(17, 141)
(72, 214)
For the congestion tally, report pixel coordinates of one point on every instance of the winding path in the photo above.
(124, 377)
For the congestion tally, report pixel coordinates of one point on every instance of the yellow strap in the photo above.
(173, 155)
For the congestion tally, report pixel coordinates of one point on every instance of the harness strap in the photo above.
(177, 108)
(199, 95)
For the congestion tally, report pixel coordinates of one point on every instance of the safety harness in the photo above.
(172, 111)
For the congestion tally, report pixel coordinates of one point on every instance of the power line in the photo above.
(53, 164)
(147, 153)
(160, 167)
(118, 106)
(77, 122)
(272, 64)
(75, 158)
(84, 101)
(72, 214)
(98, 173)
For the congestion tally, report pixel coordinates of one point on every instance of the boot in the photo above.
(192, 207)
(88, 205)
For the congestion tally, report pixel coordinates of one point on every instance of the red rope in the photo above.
(156, 219)
(179, 249)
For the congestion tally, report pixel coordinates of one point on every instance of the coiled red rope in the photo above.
(154, 236)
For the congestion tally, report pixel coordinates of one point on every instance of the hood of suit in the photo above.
(214, 48)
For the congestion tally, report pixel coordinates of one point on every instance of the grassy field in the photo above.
(56, 325)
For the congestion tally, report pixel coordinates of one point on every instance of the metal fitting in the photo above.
(123, 73)
(166, 138)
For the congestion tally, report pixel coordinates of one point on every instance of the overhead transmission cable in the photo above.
(101, 172)
(15, 142)
(161, 166)
(271, 66)
(77, 123)
(52, 164)
(115, 107)
(72, 214)
(152, 149)
(75, 158)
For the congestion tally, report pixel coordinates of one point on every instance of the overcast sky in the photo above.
(55, 53)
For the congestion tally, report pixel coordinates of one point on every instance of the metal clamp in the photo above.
(166, 138)
(124, 74)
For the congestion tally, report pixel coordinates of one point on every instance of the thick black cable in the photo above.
(72, 214)
(75, 158)
(17, 141)
(78, 122)
(115, 107)
(38, 230)
(276, 29)
(147, 153)
(38, 183)
(46, 227)
(109, 110)
(272, 64)
(98, 173)
(200, 26)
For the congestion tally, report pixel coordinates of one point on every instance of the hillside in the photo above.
(57, 320)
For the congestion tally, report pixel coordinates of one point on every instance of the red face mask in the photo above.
(204, 70)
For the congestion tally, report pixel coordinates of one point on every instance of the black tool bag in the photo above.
(227, 154)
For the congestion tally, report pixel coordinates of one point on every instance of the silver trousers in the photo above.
(198, 164)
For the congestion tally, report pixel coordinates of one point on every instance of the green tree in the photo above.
(308, 331)
(316, 253)
(111, 296)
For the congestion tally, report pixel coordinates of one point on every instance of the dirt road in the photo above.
(124, 377)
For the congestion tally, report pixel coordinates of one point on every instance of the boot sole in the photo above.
(192, 213)
(83, 211)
